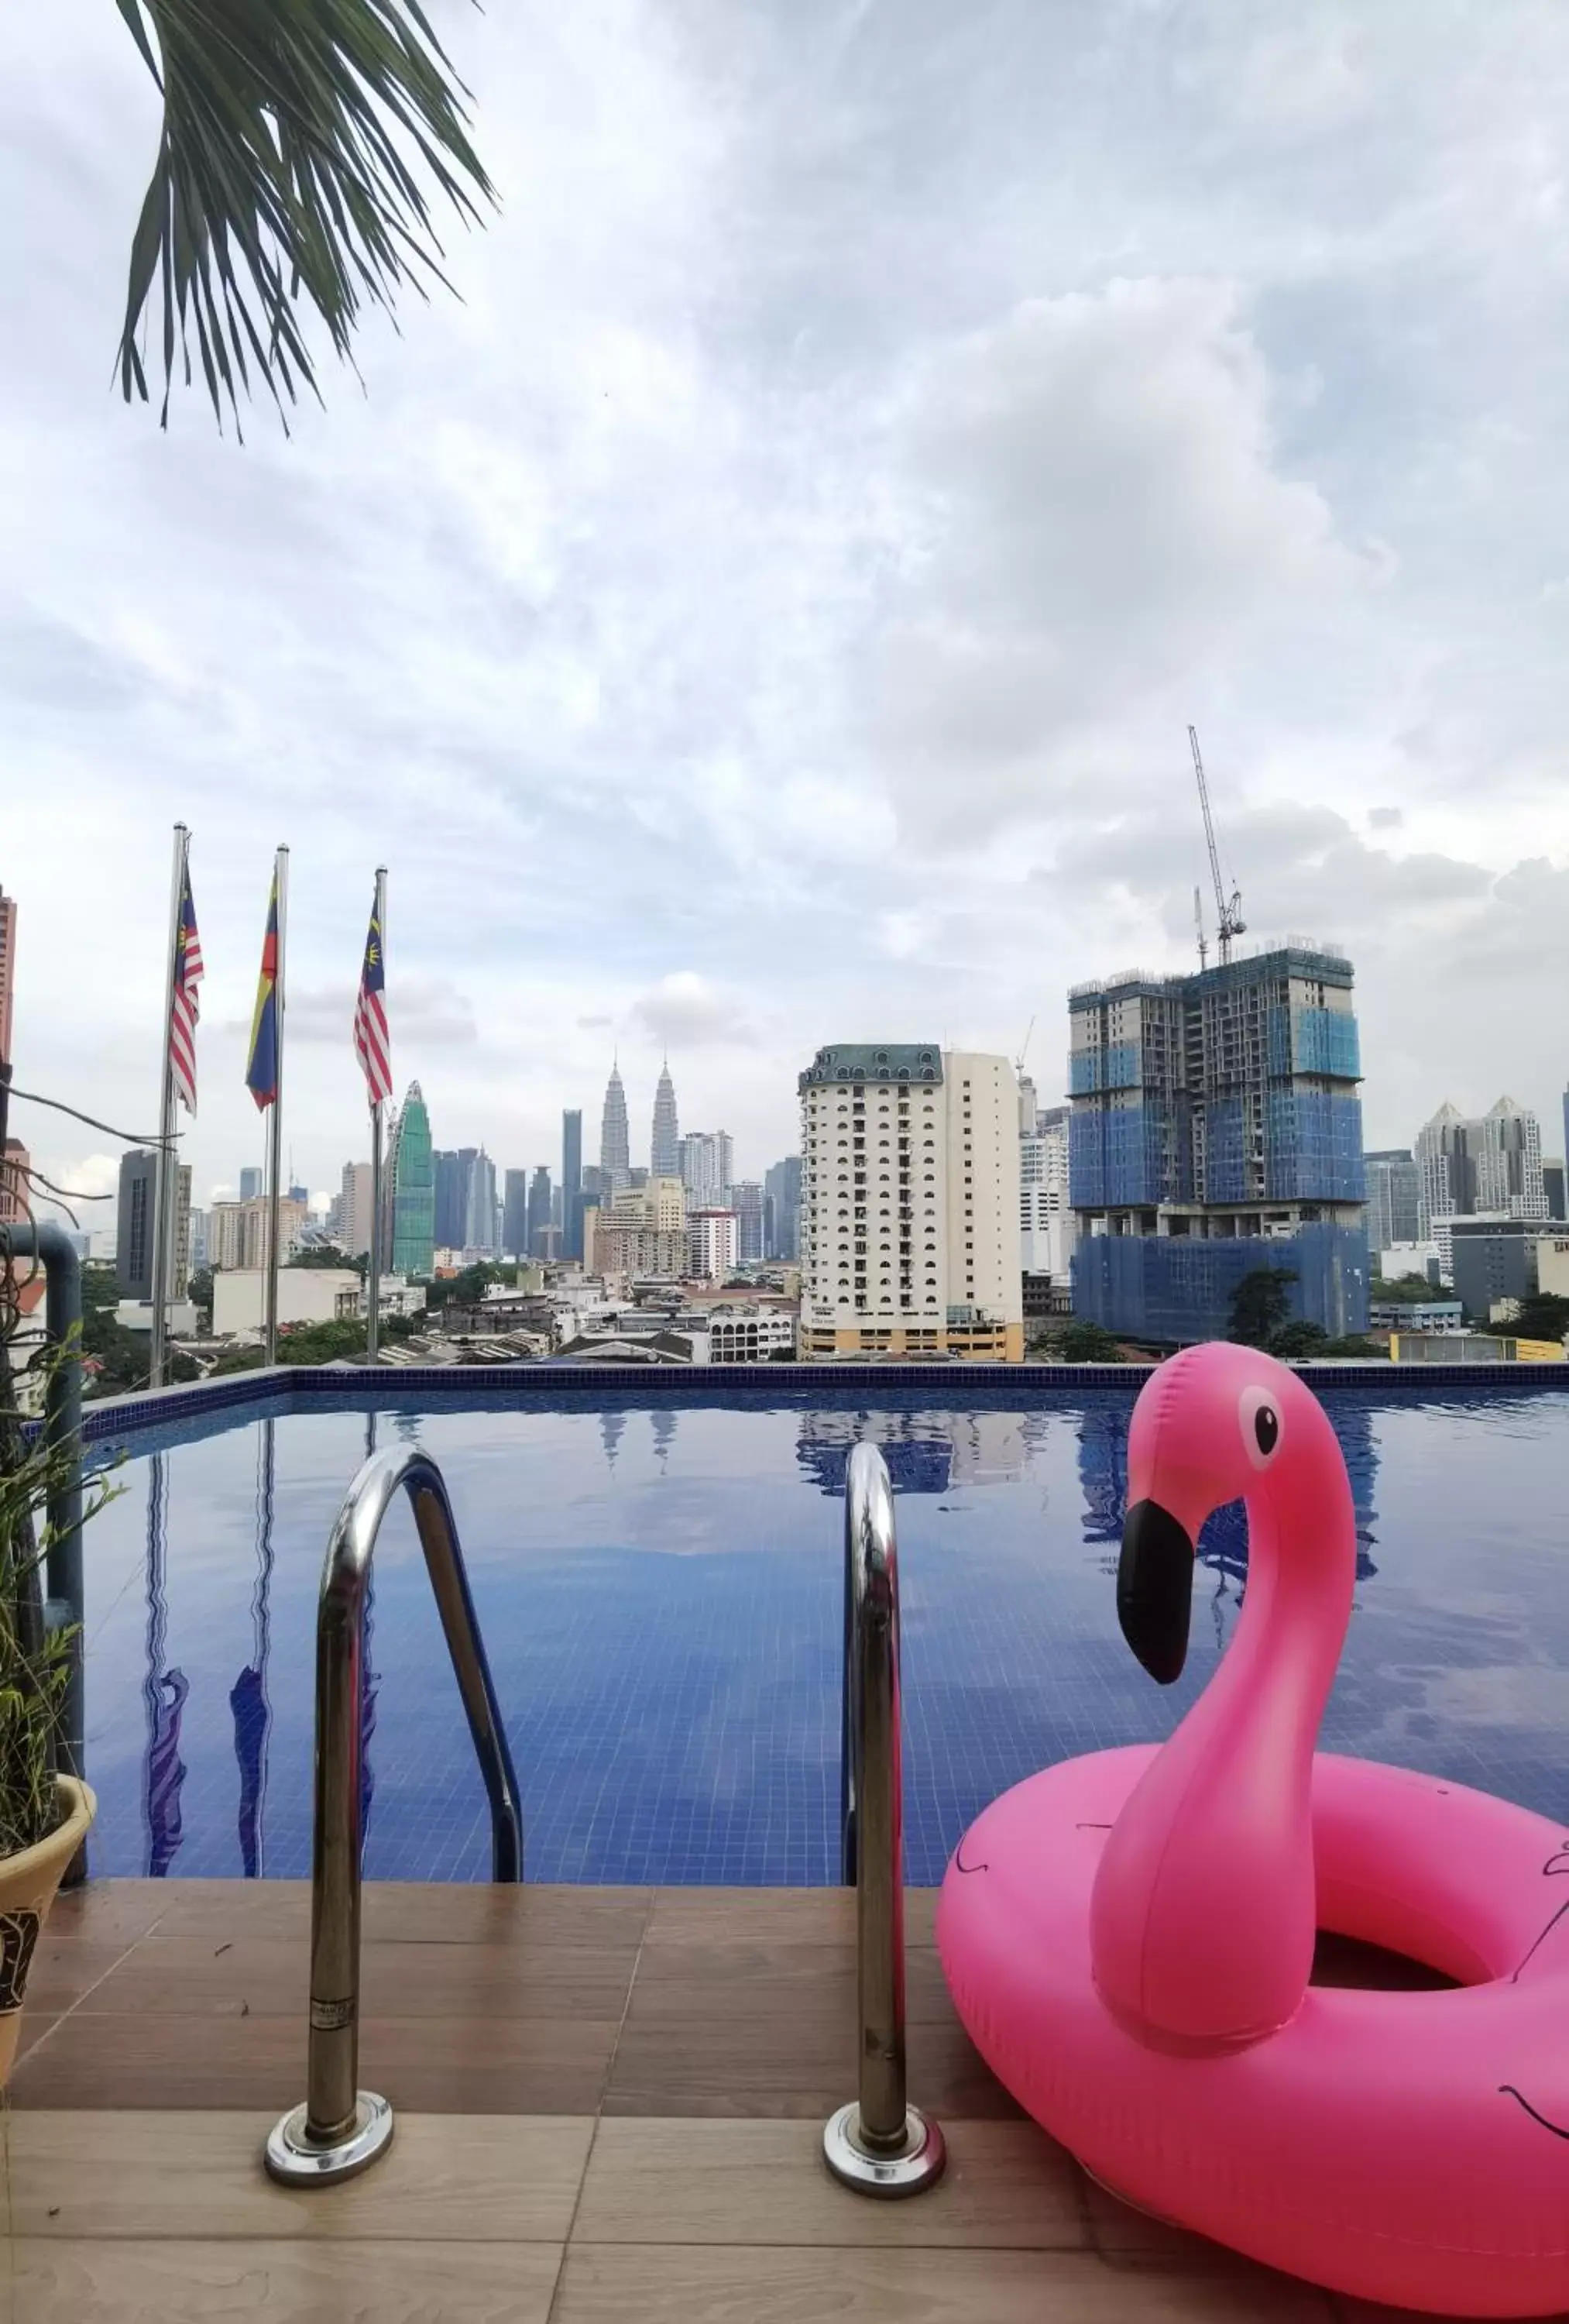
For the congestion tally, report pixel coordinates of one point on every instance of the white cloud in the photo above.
(865, 440)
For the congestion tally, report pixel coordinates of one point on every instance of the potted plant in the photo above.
(44, 1815)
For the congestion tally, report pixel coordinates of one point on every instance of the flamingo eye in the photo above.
(1261, 1426)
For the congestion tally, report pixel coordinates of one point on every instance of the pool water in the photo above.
(660, 1585)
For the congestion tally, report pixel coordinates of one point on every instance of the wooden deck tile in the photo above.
(409, 1912)
(269, 1977)
(1007, 2186)
(468, 2179)
(608, 2283)
(110, 1912)
(464, 2065)
(192, 2283)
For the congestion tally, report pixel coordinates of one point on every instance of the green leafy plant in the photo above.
(34, 1664)
(295, 135)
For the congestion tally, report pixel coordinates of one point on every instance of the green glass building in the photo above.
(411, 1181)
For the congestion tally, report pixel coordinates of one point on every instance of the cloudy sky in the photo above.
(768, 608)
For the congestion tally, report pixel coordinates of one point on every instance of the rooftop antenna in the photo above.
(1229, 913)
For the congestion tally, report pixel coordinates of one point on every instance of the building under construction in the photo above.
(1215, 1128)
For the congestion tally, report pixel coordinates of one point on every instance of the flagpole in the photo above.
(373, 1271)
(275, 1138)
(166, 1197)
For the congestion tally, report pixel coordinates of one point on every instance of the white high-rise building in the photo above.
(1047, 1228)
(910, 1203)
(707, 1160)
(350, 1221)
(710, 1236)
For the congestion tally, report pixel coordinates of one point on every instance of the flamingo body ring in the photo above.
(1128, 1937)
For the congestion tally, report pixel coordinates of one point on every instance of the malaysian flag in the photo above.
(372, 1043)
(185, 1005)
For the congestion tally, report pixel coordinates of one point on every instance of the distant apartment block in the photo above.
(250, 1185)
(239, 1233)
(351, 1220)
(706, 1158)
(1488, 1166)
(14, 1164)
(711, 1244)
(571, 1183)
(1216, 1129)
(910, 1203)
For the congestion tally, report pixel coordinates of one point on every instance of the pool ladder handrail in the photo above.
(340, 2128)
(879, 2144)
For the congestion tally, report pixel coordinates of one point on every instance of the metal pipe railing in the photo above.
(340, 2128)
(879, 2144)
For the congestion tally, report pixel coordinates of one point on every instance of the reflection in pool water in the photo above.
(659, 1588)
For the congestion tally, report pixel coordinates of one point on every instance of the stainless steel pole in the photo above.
(166, 1197)
(340, 2128)
(275, 1129)
(880, 2144)
(373, 1271)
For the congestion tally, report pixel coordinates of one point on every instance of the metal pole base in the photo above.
(917, 2166)
(301, 2162)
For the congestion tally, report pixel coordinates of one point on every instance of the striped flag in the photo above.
(262, 1065)
(372, 1045)
(185, 1003)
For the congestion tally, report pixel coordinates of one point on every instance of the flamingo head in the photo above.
(1216, 1423)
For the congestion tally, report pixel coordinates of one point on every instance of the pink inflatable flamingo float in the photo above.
(1128, 1937)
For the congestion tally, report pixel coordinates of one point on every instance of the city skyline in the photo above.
(787, 619)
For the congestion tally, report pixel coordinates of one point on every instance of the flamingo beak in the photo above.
(1155, 1588)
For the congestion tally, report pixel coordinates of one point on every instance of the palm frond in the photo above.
(296, 133)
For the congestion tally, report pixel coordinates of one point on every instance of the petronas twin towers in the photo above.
(614, 1133)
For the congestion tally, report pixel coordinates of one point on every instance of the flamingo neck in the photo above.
(1202, 1917)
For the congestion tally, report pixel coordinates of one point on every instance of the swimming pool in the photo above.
(659, 1583)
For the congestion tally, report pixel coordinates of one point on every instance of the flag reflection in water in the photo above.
(164, 1690)
(253, 1713)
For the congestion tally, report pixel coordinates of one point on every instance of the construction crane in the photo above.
(1024, 1050)
(1198, 924)
(1231, 921)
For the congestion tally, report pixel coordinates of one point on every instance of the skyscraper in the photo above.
(910, 1203)
(1394, 1198)
(1216, 1129)
(480, 1225)
(539, 1213)
(137, 1227)
(615, 1149)
(746, 1202)
(782, 1209)
(251, 1183)
(663, 1161)
(571, 1183)
(707, 1160)
(515, 1216)
(411, 1178)
(454, 1172)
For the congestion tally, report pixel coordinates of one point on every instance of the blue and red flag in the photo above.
(261, 1066)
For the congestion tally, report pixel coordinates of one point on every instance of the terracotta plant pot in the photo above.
(27, 1889)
